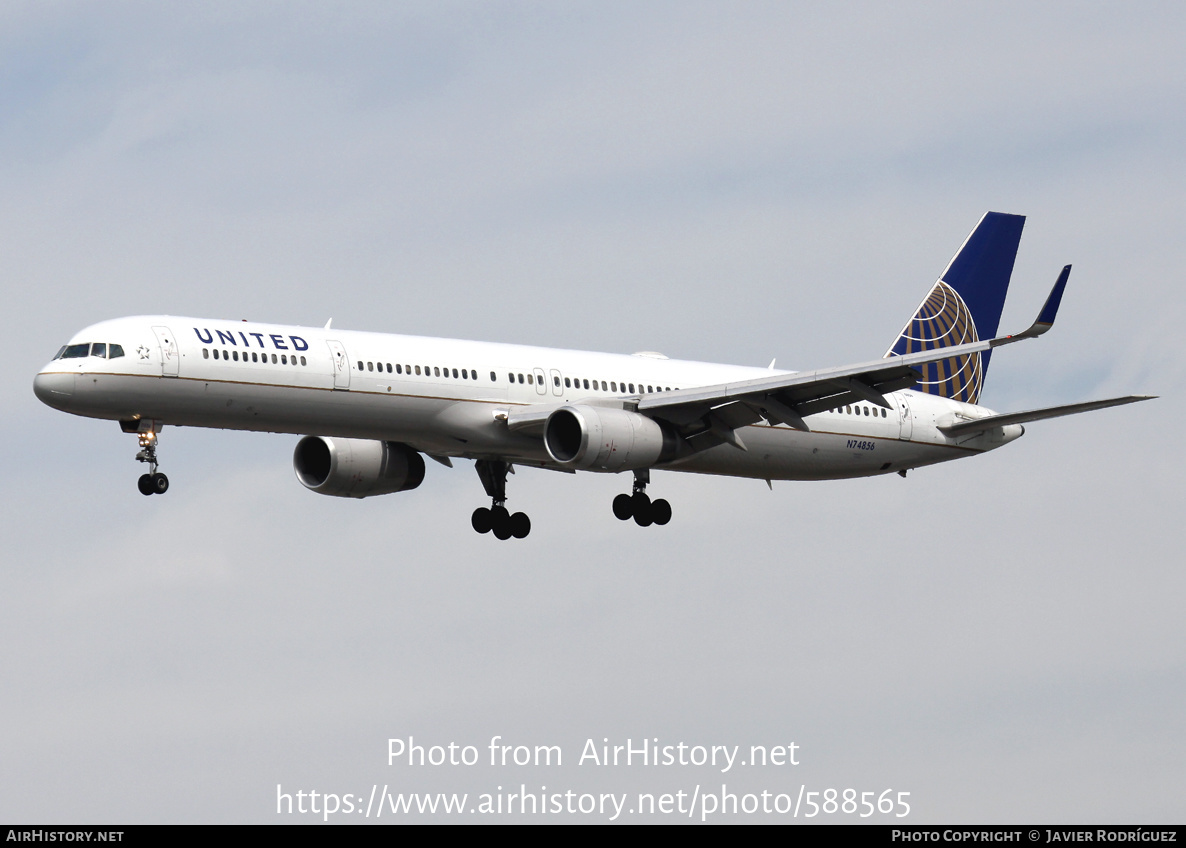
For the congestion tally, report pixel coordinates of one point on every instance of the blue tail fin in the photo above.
(964, 306)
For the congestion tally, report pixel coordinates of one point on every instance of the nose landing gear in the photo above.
(154, 482)
(639, 506)
(497, 519)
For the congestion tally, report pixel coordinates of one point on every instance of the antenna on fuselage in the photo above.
(327, 323)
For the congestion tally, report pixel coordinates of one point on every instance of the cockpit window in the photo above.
(99, 349)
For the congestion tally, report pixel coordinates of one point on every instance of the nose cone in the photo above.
(54, 389)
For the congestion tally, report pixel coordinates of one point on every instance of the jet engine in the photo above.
(604, 439)
(356, 468)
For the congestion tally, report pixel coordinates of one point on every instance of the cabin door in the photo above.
(170, 361)
(341, 365)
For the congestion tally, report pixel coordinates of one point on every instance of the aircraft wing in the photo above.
(976, 424)
(788, 398)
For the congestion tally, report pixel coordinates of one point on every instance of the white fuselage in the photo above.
(451, 398)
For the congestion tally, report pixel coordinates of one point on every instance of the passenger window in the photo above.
(205, 353)
(493, 377)
(613, 386)
(417, 370)
(586, 384)
(520, 379)
(436, 372)
(530, 380)
(603, 388)
(235, 356)
(283, 359)
(567, 383)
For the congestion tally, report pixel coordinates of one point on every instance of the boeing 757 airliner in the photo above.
(370, 406)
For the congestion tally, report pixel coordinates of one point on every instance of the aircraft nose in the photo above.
(53, 389)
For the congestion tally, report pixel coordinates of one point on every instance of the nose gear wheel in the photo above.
(154, 482)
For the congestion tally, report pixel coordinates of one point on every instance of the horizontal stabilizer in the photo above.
(1037, 414)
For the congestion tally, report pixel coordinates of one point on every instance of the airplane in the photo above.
(369, 406)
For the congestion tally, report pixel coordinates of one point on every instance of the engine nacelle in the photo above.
(605, 439)
(356, 468)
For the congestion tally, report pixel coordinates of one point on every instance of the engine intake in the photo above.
(606, 439)
(356, 468)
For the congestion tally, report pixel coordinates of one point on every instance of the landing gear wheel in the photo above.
(500, 521)
(623, 507)
(520, 525)
(493, 474)
(640, 504)
(152, 483)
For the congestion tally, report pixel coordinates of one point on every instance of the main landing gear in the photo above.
(154, 482)
(639, 506)
(496, 519)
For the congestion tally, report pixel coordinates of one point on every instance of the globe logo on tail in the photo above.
(944, 320)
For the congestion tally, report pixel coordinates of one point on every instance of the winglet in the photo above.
(1049, 309)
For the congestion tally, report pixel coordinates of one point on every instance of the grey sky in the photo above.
(1001, 637)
